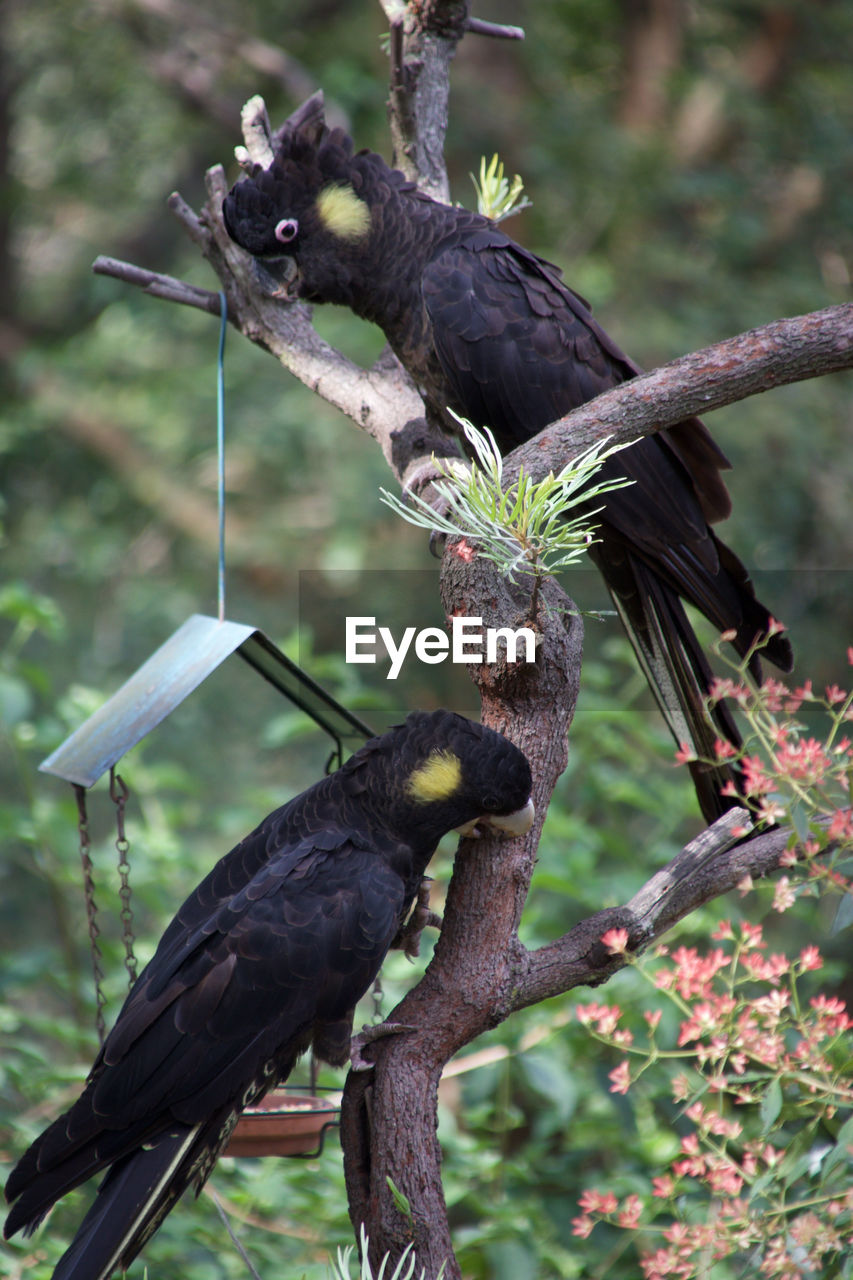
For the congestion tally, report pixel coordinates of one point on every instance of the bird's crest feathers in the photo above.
(342, 212)
(438, 778)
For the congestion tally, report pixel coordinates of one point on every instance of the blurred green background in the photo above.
(690, 169)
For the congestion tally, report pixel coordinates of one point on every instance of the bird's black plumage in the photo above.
(490, 331)
(267, 957)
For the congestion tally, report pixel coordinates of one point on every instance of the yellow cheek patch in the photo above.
(343, 213)
(437, 779)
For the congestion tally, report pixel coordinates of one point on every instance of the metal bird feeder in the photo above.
(179, 666)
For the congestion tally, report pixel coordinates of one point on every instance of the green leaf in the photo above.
(842, 1149)
(844, 915)
(497, 198)
(552, 1081)
(525, 528)
(771, 1105)
(799, 816)
(400, 1199)
(15, 699)
(30, 608)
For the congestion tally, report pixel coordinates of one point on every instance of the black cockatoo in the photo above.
(487, 329)
(266, 958)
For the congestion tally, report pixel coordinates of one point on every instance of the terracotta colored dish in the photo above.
(283, 1124)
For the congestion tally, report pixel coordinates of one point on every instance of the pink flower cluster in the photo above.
(781, 765)
(789, 1254)
(752, 1054)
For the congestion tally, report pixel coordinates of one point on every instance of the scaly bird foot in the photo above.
(367, 1036)
(408, 939)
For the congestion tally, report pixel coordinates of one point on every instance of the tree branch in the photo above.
(497, 30)
(423, 44)
(773, 355)
(785, 351)
(711, 865)
(169, 288)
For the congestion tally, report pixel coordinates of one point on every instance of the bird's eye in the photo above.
(286, 230)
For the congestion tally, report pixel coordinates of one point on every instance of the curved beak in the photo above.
(511, 824)
(276, 277)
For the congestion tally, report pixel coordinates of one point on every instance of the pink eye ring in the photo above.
(286, 230)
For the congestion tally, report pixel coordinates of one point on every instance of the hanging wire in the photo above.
(91, 909)
(220, 447)
(237, 1243)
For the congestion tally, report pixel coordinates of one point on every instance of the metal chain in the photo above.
(118, 795)
(91, 909)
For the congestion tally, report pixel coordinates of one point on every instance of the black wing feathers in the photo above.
(512, 338)
(542, 354)
(303, 937)
(518, 350)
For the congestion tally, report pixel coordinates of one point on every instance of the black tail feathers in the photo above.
(132, 1201)
(680, 677)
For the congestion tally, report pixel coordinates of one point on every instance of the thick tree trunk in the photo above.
(389, 1120)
